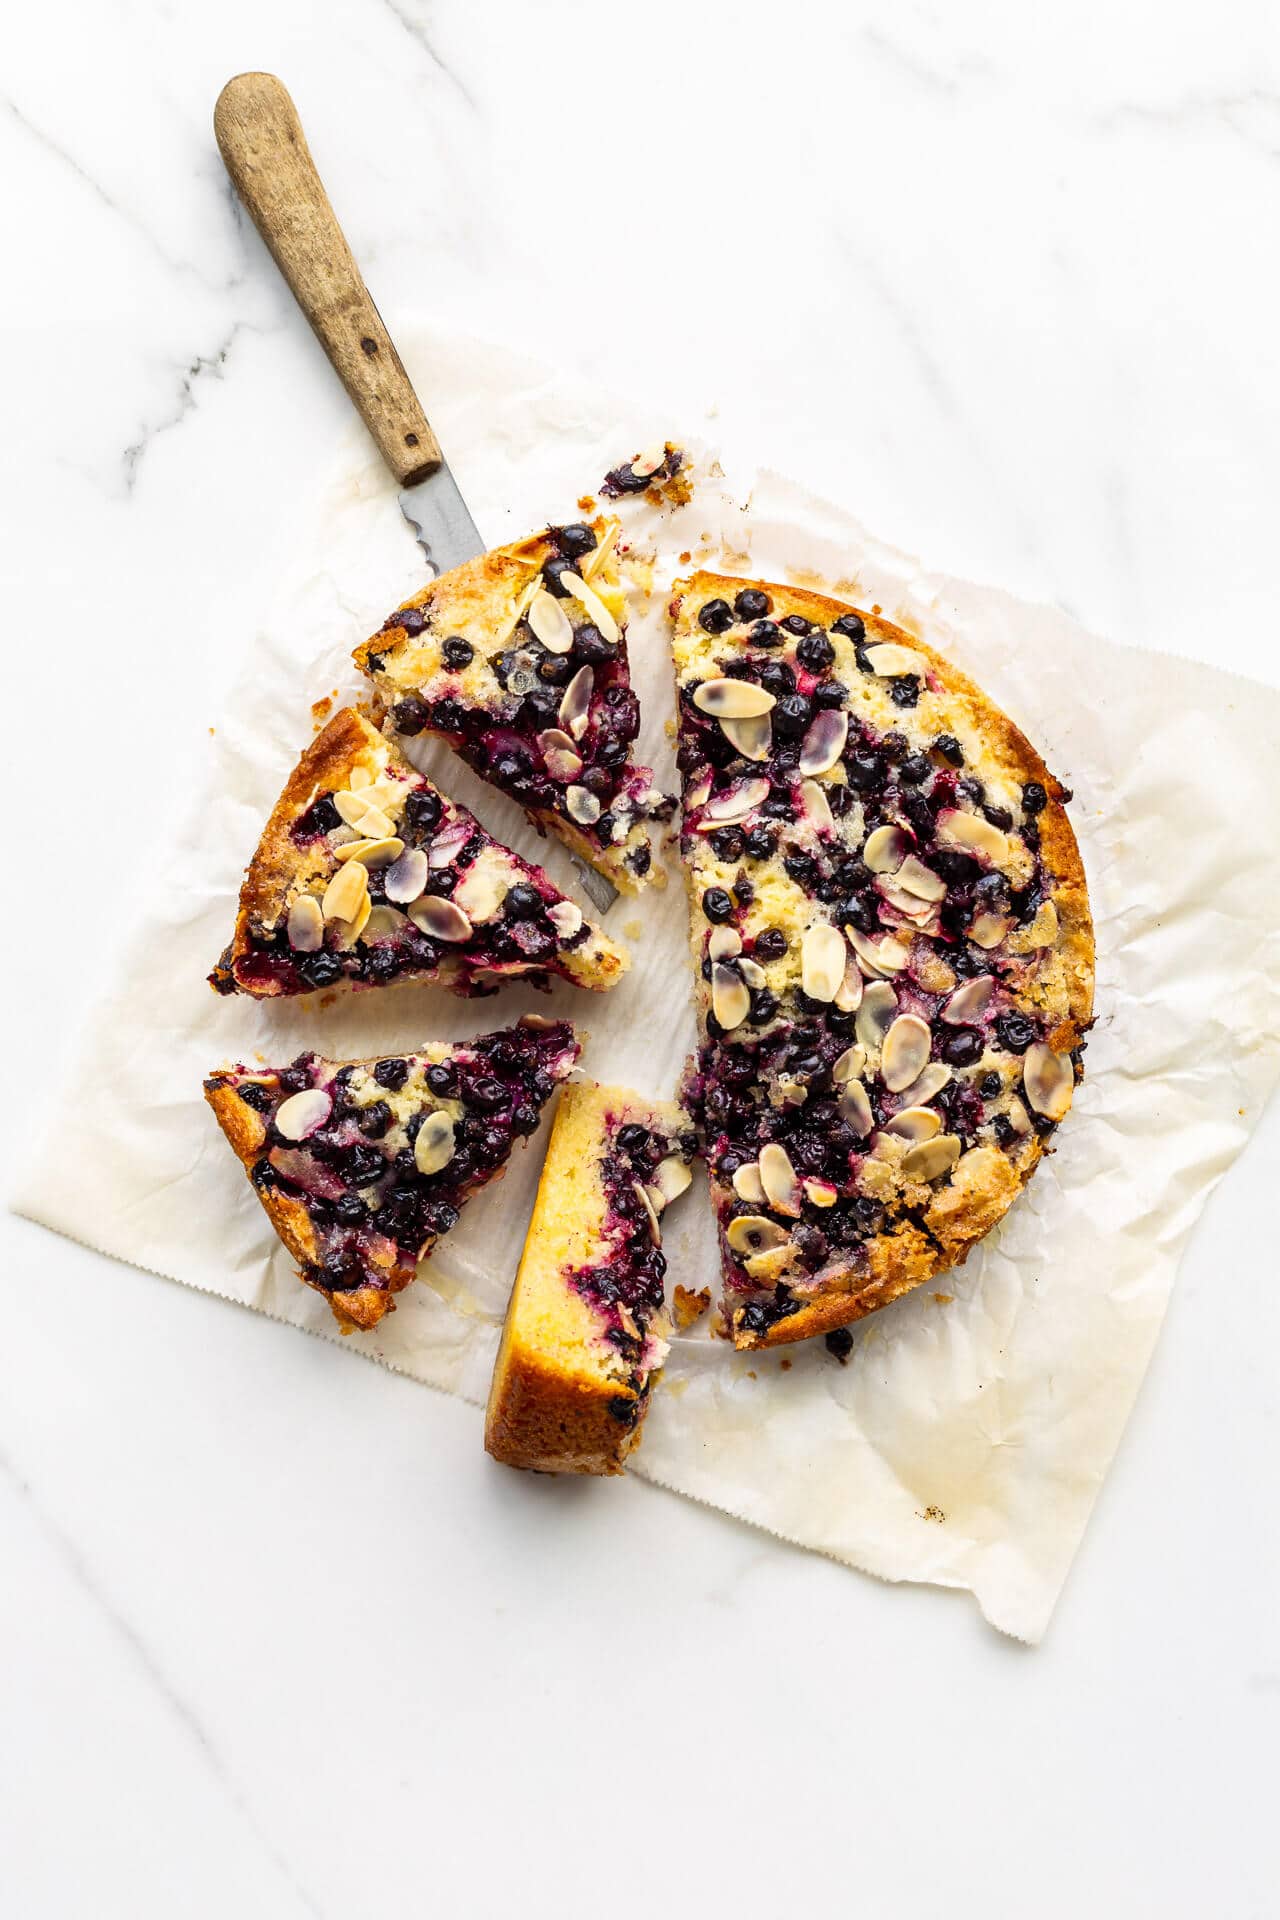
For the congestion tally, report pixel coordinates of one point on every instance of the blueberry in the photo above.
(801, 867)
(963, 1047)
(633, 1138)
(381, 964)
(777, 678)
(589, 644)
(363, 1164)
(522, 901)
(440, 1216)
(949, 747)
(295, 1079)
(864, 770)
(391, 1074)
(349, 1209)
(914, 770)
(574, 540)
(449, 717)
(791, 715)
(374, 1120)
(754, 1318)
(457, 652)
(525, 1119)
(815, 651)
(716, 616)
(422, 810)
(999, 817)
(255, 1096)
(751, 604)
(765, 633)
(1015, 1032)
(990, 1086)
(727, 843)
(410, 715)
(598, 780)
(555, 668)
(832, 693)
(851, 625)
(442, 1080)
(796, 623)
(761, 843)
(764, 1005)
(1005, 1135)
(320, 817)
(812, 1243)
(716, 904)
(839, 1342)
(861, 910)
(486, 1094)
(264, 1175)
(957, 869)
(904, 692)
(640, 859)
(410, 619)
(1034, 798)
(551, 577)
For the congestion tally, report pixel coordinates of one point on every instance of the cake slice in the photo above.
(587, 1325)
(893, 946)
(519, 660)
(362, 1165)
(367, 874)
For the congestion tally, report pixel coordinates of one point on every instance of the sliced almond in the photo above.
(384, 923)
(914, 1123)
(480, 893)
(434, 1146)
(747, 1183)
(730, 999)
(886, 849)
(592, 563)
(566, 918)
(306, 924)
(989, 929)
(582, 806)
(439, 918)
(752, 737)
(754, 1233)
(921, 913)
(823, 955)
(724, 943)
(303, 1113)
(875, 1015)
(786, 1091)
(778, 1178)
(929, 1085)
(732, 699)
(651, 1212)
(825, 739)
(817, 806)
(1048, 1079)
(969, 1002)
(550, 622)
(448, 843)
(905, 1051)
(648, 462)
(372, 853)
(672, 1176)
(367, 819)
(880, 955)
(346, 892)
(596, 609)
(734, 804)
(889, 660)
(849, 997)
(406, 876)
(752, 972)
(347, 932)
(929, 1159)
(698, 792)
(972, 834)
(849, 1066)
(1018, 1117)
(855, 1108)
(358, 778)
(575, 707)
(916, 878)
(821, 1193)
(560, 755)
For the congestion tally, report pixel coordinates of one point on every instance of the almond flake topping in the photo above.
(778, 1178)
(734, 804)
(581, 806)
(855, 1108)
(575, 708)
(549, 621)
(732, 699)
(879, 956)
(367, 819)
(886, 849)
(849, 997)
(849, 1066)
(929, 1085)
(730, 1000)
(303, 1113)
(347, 932)
(406, 876)
(651, 1215)
(384, 923)
(1019, 1118)
(439, 918)
(306, 924)
(879, 1005)
(817, 806)
(748, 1185)
(928, 1159)
(596, 609)
(448, 842)
(433, 1148)
(989, 929)
(752, 972)
(822, 961)
(753, 1233)
(671, 1178)
(824, 741)
(752, 737)
(889, 660)
(1048, 1079)
(905, 1052)
(821, 1193)
(724, 943)
(914, 877)
(372, 853)
(359, 777)
(480, 893)
(969, 1002)
(914, 1123)
(347, 892)
(565, 917)
(973, 834)
(650, 460)
(563, 761)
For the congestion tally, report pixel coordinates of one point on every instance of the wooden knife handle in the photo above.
(266, 154)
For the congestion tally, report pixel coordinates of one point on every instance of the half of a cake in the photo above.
(367, 875)
(587, 1325)
(893, 946)
(362, 1165)
(519, 660)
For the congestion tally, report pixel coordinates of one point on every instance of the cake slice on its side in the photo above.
(367, 875)
(361, 1166)
(587, 1326)
(893, 948)
(519, 660)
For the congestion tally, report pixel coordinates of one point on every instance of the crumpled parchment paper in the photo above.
(966, 1439)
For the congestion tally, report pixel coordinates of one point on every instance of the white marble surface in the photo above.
(277, 1639)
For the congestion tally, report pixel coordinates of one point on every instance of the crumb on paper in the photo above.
(933, 1513)
(321, 708)
(685, 557)
(688, 1306)
(662, 473)
(586, 503)
(944, 1299)
(213, 729)
(784, 1366)
(634, 929)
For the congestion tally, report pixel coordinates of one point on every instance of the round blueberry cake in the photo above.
(362, 1165)
(367, 875)
(893, 947)
(587, 1326)
(519, 660)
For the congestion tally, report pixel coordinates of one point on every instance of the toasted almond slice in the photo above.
(439, 918)
(306, 924)
(698, 793)
(581, 806)
(724, 943)
(879, 1005)
(849, 998)
(878, 956)
(671, 1177)
(650, 460)
(914, 877)
(1019, 1118)
(972, 834)
(303, 1113)
(448, 843)
(886, 849)
(406, 877)
(929, 1159)
(754, 1233)
(359, 778)
(346, 892)
(821, 1193)
(930, 1083)
(596, 609)
(989, 929)
(752, 972)
(969, 1002)
(592, 563)
(550, 623)
(575, 707)
(752, 737)
(921, 913)
(367, 819)
(347, 932)
(384, 923)
(734, 804)
(824, 741)
(905, 1052)
(373, 853)
(889, 660)
(566, 918)
(817, 807)
(855, 1108)
(1048, 1079)
(730, 999)
(747, 1183)
(778, 1178)
(822, 961)
(914, 1123)
(434, 1146)
(732, 699)
(651, 1213)
(787, 1092)
(480, 893)
(849, 1065)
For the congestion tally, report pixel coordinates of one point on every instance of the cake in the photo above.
(587, 1325)
(893, 951)
(362, 1165)
(367, 874)
(519, 660)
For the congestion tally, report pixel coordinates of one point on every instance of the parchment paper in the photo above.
(965, 1440)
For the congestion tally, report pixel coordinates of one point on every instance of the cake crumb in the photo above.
(688, 1306)
(933, 1513)
(784, 1366)
(944, 1299)
(685, 557)
(634, 929)
(321, 708)
(586, 503)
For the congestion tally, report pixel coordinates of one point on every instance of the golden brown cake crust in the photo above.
(957, 1215)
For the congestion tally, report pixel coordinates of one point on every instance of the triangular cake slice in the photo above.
(893, 946)
(519, 660)
(362, 1165)
(367, 875)
(587, 1325)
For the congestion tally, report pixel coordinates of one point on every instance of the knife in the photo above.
(265, 151)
